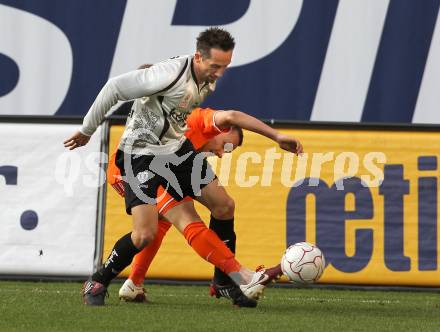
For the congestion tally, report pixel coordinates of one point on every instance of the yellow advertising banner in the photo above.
(368, 199)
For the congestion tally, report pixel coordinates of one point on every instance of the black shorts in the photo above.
(183, 173)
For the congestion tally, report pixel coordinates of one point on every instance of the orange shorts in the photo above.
(114, 178)
(168, 201)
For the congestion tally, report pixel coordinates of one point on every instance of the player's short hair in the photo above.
(214, 38)
(240, 134)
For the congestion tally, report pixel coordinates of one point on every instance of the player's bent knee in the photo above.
(142, 239)
(225, 210)
(230, 207)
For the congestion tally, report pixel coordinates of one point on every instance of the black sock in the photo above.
(120, 257)
(225, 231)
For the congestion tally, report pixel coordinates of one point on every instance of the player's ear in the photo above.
(197, 57)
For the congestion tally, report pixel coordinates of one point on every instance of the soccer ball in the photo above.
(303, 263)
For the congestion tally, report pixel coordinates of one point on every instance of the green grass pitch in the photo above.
(47, 306)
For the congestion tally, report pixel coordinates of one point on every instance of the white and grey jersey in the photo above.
(165, 94)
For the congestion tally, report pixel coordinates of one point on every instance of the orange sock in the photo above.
(143, 259)
(208, 245)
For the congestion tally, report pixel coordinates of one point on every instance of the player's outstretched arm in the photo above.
(107, 97)
(225, 119)
(128, 86)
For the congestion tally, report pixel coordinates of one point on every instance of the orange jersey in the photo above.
(201, 128)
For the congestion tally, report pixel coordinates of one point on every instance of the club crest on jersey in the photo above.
(179, 117)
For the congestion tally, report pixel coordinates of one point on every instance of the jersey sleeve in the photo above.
(210, 127)
(132, 85)
(202, 127)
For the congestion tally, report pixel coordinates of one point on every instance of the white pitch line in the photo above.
(319, 299)
(37, 290)
(160, 294)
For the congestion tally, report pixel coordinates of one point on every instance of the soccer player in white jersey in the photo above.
(153, 150)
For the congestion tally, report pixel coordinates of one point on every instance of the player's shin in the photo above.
(143, 259)
(120, 257)
(225, 231)
(207, 244)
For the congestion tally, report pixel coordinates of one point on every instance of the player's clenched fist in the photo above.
(289, 144)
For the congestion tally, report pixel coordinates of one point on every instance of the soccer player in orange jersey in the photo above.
(205, 136)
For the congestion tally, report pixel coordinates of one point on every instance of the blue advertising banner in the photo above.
(325, 60)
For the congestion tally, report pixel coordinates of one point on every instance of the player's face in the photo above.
(223, 143)
(211, 68)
